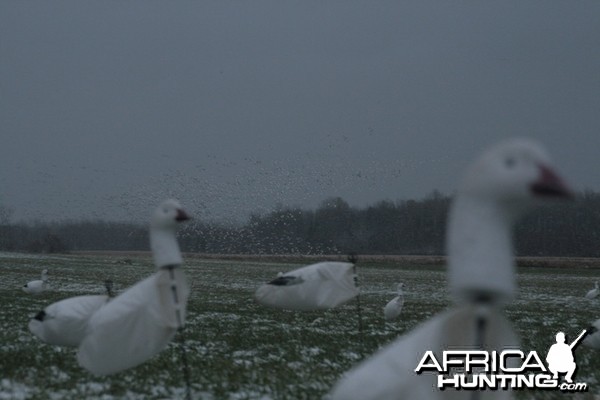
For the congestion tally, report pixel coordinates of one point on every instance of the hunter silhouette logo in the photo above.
(560, 356)
(507, 369)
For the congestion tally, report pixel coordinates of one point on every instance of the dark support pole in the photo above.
(181, 338)
(481, 322)
(353, 259)
(480, 326)
(359, 314)
(186, 366)
(108, 284)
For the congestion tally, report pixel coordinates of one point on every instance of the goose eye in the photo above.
(510, 162)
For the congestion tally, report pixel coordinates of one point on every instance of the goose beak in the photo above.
(181, 216)
(549, 184)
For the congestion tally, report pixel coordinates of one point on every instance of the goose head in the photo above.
(168, 215)
(165, 220)
(503, 183)
(44, 275)
(513, 175)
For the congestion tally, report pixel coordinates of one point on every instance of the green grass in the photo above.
(238, 349)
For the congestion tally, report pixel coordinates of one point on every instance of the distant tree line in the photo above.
(387, 227)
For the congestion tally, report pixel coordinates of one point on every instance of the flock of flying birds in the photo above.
(113, 334)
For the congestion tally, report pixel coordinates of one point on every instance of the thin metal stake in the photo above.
(181, 338)
(186, 366)
(480, 327)
(358, 310)
(359, 313)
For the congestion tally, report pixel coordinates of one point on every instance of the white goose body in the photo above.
(38, 286)
(319, 286)
(592, 294)
(141, 321)
(393, 308)
(64, 323)
(389, 374)
(496, 190)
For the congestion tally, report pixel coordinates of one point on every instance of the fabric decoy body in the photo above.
(64, 323)
(319, 286)
(38, 286)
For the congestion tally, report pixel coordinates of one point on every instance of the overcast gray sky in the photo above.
(107, 107)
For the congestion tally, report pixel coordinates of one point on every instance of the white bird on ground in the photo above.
(496, 190)
(64, 323)
(141, 321)
(37, 286)
(393, 308)
(592, 294)
(319, 286)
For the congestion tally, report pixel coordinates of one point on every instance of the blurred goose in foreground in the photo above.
(393, 308)
(592, 294)
(498, 188)
(37, 286)
(141, 321)
(64, 323)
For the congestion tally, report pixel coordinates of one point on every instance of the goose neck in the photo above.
(480, 251)
(165, 249)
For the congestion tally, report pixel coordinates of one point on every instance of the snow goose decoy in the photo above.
(502, 183)
(141, 321)
(319, 286)
(592, 294)
(393, 308)
(37, 286)
(64, 323)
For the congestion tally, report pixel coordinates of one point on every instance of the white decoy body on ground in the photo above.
(64, 323)
(319, 286)
(592, 294)
(393, 308)
(141, 321)
(37, 286)
(496, 190)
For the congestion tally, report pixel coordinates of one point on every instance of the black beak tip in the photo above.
(550, 184)
(182, 216)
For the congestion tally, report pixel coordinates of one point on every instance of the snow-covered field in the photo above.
(240, 350)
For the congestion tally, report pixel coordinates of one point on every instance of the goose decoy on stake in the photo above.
(141, 321)
(499, 187)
